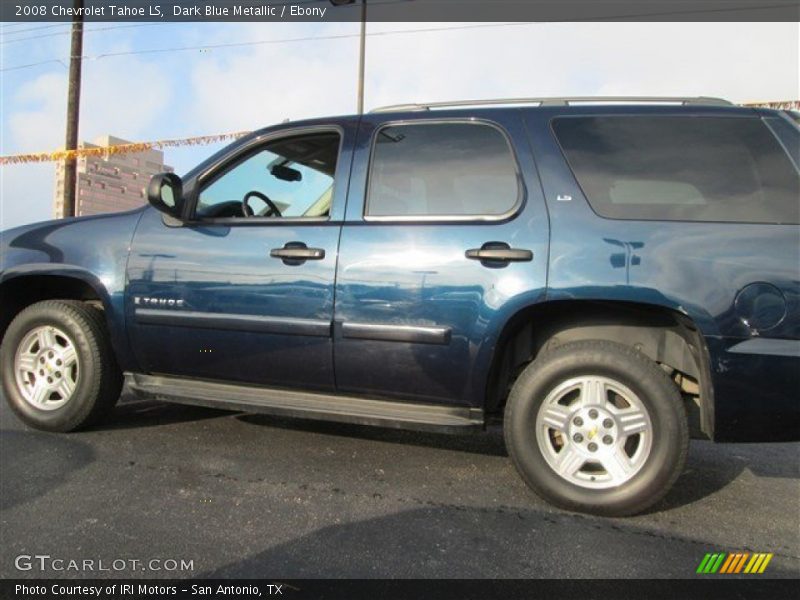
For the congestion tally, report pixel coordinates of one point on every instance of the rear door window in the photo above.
(441, 170)
(681, 168)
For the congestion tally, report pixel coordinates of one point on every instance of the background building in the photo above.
(109, 183)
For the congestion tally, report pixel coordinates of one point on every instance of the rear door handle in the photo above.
(295, 253)
(499, 252)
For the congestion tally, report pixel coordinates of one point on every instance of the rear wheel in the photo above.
(59, 372)
(597, 427)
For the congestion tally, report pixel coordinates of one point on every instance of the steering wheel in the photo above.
(248, 212)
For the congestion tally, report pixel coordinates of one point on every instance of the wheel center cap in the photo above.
(592, 430)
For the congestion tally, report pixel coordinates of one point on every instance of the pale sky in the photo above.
(179, 94)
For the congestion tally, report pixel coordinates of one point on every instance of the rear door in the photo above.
(445, 238)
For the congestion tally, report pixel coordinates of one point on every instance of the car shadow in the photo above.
(482, 542)
(709, 468)
(705, 473)
(33, 463)
(489, 443)
(135, 414)
(769, 459)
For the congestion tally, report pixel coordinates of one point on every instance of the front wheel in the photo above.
(58, 369)
(597, 427)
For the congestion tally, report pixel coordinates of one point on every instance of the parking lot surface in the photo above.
(254, 496)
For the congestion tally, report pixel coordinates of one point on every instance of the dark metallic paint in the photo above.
(696, 269)
(394, 277)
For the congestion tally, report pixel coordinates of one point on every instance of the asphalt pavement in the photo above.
(240, 495)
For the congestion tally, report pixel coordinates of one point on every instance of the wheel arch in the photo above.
(669, 337)
(20, 290)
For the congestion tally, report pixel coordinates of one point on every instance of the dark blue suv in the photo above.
(605, 278)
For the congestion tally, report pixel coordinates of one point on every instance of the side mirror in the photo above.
(165, 193)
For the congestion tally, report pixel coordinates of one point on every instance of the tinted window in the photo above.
(789, 136)
(295, 175)
(681, 168)
(444, 169)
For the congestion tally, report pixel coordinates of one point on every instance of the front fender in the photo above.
(93, 250)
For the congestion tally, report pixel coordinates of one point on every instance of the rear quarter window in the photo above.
(681, 168)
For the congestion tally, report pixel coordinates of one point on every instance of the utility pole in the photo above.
(73, 109)
(362, 50)
(362, 56)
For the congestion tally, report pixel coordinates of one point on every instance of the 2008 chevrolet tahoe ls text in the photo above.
(608, 279)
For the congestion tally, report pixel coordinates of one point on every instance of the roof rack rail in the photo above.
(702, 100)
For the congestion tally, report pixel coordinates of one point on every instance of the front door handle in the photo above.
(296, 253)
(499, 253)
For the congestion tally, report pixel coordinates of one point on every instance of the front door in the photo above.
(445, 238)
(243, 292)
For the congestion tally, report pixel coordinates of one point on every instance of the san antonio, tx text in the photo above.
(210, 11)
(129, 589)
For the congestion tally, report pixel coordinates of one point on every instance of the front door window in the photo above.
(288, 178)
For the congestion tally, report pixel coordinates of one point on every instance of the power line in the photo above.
(7, 26)
(386, 33)
(36, 64)
(4, 29)
(66, 32)
(270, 42)
(307, 39)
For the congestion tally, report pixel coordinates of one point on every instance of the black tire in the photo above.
(99, 380)
(659, 395)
